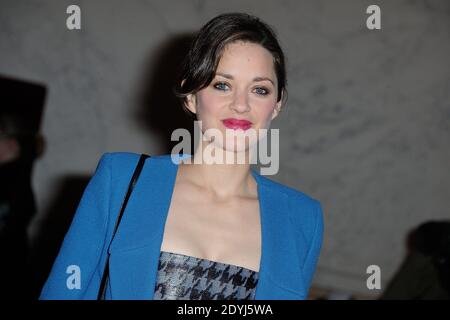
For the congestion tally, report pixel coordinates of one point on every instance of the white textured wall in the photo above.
(366, 129)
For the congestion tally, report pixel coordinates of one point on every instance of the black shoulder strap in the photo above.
(134, 178)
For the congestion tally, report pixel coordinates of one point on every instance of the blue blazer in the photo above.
(291, 226)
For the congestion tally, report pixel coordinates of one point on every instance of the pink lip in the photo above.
(237, 124)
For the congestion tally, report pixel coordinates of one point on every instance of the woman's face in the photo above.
(244, 88)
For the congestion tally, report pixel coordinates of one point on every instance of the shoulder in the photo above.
(121, 166)
(297, 197)
(305, 211)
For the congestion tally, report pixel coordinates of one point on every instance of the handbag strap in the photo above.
(134, 178)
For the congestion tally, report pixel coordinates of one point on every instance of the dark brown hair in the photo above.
(199, 66)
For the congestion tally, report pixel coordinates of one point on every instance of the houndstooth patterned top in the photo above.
(182, 277)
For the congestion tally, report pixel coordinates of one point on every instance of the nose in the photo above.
(240, 102)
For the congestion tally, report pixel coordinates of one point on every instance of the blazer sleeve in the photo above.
(314, 249)
(76, 272)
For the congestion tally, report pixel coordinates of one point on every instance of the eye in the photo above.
(262, 91)
(220, 86)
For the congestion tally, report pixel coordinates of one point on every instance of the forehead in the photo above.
(246, 57)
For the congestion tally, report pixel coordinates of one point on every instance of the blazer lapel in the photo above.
(280, 273)
(135, 250)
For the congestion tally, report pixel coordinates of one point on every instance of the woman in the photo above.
(194, 230)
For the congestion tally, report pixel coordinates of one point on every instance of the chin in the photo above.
(239, 146)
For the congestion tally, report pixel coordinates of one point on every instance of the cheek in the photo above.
(265, 109)
(208, 103)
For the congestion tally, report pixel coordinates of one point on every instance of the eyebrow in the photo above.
(229, 76)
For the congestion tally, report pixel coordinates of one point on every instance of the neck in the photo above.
(223, 181)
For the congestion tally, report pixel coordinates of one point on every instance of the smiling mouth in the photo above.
(235, 124)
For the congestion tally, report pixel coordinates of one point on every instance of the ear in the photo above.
(190, 101)
(277, 108)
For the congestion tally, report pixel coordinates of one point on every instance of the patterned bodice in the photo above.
(182, 277)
